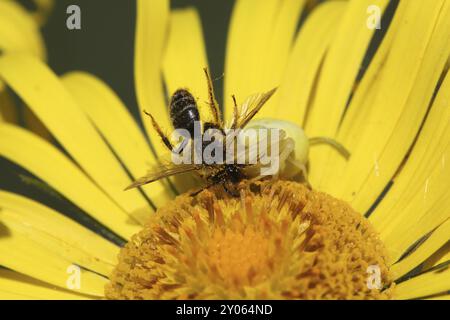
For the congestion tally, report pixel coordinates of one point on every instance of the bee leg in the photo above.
(235, 112)
(181, 148)
(164, 138)
(212, 100)
(196, 192)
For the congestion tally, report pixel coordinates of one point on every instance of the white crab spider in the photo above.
(294, 147)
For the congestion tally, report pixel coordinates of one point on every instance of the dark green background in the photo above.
(105, 44)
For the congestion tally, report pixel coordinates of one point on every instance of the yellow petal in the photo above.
(392, 118)
(18, 30)
(54, 106)
(419, 224)
(427, 284)
(437, 239)
(258, 46)
(332, 172)
(294, 93)
(185, 58)
(151, 29)
(440, 297)
(57, 233)
(403, 133)
(279, 44)
(418, 201)
(16, 286)
(32, 259)
(337, 76)
(439, 257)
(35, 155)
(119, 129)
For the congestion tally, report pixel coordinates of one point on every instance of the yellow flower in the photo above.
(278, 241)
(389, 107)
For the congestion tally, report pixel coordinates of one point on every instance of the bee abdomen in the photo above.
(184, 111)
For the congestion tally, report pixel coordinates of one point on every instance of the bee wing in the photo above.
(250, 108)
(163, 171)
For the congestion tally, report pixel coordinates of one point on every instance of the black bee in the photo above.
(184, 114)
